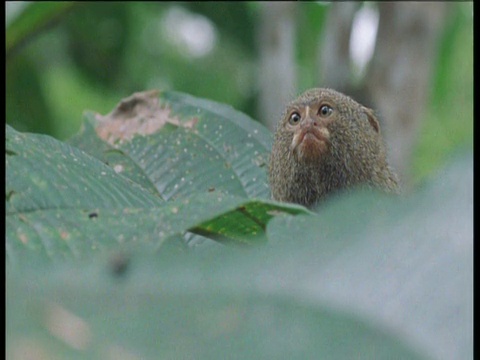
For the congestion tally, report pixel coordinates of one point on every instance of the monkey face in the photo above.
(321, 120)
(325, 142)
(308, 125)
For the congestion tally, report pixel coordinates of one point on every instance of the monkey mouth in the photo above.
(310, 143)
(310, 136)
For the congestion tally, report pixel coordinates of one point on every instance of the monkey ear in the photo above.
(372, 119)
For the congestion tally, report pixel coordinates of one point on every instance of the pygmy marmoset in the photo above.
(327, 142)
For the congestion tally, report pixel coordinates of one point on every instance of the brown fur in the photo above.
(343, 149)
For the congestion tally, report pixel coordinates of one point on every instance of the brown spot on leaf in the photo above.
(23, 238)
(68, 327)
(138, 114)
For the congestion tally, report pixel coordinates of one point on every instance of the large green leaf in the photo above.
(183, 308)
(63, 203)
(181, 145)
(407, 263)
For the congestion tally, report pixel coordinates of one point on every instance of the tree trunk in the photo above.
(277, 70)
(398, 79)
(334, 51)
(400, 73)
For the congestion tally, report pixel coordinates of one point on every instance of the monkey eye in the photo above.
(294, 118)
(325, 111)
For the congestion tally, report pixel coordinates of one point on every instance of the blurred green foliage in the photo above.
(97, 53)
(448, 122)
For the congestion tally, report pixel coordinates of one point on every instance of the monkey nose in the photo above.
(311, 122)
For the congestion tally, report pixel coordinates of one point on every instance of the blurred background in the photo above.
(411, 62)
